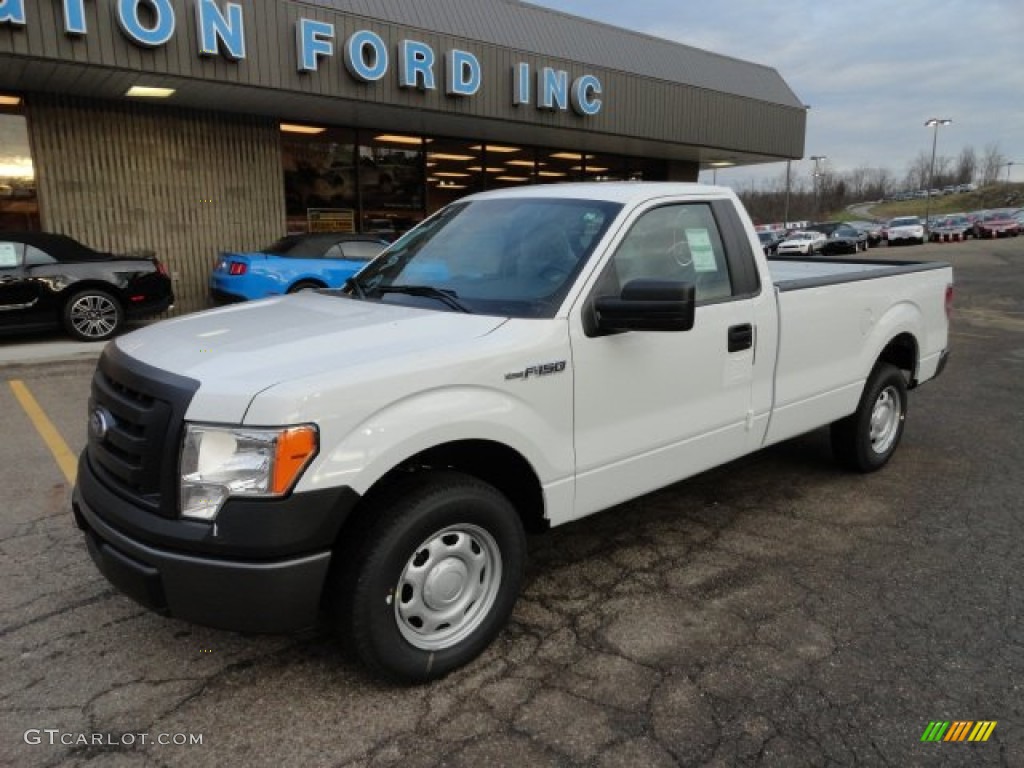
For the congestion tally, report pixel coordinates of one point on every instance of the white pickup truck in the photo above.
(522, 359)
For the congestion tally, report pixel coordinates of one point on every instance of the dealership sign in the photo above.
(220, 31)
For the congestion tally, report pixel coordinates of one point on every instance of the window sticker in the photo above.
(701, 249)
(8, 256)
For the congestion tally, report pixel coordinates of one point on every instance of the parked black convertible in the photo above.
(52, 280)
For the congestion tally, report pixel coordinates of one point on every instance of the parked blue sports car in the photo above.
(293, 263)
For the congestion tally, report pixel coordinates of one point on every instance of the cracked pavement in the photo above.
(775, 611)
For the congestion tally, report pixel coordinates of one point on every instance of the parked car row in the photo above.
(949, 189)
(50, 281)
(294, 263)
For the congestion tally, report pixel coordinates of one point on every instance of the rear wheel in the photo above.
(433, 578)
(867, 439)
(305, 285)
(93, 315)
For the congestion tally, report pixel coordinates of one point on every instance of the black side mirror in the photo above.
(646, 305)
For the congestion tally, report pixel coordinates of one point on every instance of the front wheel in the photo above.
(433, 578)
(867, 439)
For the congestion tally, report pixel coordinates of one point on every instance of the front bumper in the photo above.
(173, 567)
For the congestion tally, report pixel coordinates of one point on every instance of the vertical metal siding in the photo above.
(124, 177)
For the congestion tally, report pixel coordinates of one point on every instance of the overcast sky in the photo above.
(872, 72)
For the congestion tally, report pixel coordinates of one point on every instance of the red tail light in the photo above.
(237, 268)
(949, 301)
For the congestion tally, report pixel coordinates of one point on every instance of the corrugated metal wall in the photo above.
(757, 114)
(185, 184)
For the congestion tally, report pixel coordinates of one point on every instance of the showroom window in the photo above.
(390, 183)
(19, 205)
(454, 169)
(384, 183)
(319, 178)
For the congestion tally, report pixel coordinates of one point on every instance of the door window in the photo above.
(35, 257)
(673, 242)
(10, 254)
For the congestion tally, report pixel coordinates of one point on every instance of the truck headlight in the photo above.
(220, 462)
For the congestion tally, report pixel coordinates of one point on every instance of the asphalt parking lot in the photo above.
(775, 611)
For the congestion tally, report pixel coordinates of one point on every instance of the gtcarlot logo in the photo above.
(958, 730)
(55, 737)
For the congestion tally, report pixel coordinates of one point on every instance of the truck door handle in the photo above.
(741, 337)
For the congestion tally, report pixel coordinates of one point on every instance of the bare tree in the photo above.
(966, 165)
(917, 171)
(991, 161)
(879, 184)
(943, 173)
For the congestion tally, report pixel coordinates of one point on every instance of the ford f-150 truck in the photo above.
(521, 359)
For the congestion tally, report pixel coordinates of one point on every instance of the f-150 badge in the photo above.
(537, 370)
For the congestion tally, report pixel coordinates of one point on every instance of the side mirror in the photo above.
(646, 305)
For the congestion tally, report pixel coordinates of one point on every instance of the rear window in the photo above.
(361, 250)
(300, 246)
(907, 222)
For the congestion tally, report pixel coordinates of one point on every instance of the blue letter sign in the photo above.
(416, 65)
(12, 12)
(554, 89)
(217, 33)
(366, 56)
(584, 90)
(74, 17)
(463, 73)
(312, 40)
(131, 25)
(521, 84)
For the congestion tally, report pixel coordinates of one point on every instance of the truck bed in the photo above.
(795, 273)
(835, 317)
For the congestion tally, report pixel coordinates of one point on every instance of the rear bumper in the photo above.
(223, 297)
(150, 307)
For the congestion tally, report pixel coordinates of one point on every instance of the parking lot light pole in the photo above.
(1008, 166)
(934, 124)
(817, 174)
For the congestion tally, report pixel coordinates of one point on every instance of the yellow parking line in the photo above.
(61, 453)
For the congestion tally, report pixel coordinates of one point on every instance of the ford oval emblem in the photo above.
(100, 422)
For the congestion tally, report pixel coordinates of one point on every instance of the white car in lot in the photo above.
(803, 242)
(906, 229)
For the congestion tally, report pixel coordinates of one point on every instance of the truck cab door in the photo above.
(653, 407)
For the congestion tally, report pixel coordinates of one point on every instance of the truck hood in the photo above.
(236, 352)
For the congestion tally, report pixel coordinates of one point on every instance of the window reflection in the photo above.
(391, 183)
(19, 205)
(384, 183)
(320, 180)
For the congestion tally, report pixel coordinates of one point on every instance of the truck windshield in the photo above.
(512, 257)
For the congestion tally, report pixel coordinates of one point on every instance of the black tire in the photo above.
(440, 531)
(867, 439)
(305, 285)
(92, 314)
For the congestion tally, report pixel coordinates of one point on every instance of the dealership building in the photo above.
(188, 127)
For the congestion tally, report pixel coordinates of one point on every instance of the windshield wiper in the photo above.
(445, 297)
(356, 286)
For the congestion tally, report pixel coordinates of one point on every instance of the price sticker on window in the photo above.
(701, 250)
(8, 256)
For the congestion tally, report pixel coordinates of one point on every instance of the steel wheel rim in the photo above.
(448, 587)
(94, 316)
(885, 420)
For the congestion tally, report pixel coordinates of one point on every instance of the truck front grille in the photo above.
(136, 416)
